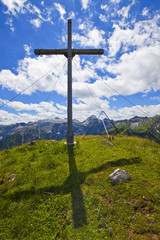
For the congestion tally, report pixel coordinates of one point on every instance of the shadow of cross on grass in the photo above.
(78, 208)
(73, 185)
(74, 181)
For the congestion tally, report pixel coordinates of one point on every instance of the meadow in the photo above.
(50, 191)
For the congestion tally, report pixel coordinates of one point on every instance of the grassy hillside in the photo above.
(50, 192)
(147, 128)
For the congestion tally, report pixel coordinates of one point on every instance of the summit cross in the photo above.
(69, 53)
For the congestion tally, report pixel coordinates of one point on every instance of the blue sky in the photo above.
(129, 33)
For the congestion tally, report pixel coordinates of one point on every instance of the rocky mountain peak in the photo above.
(90, 120)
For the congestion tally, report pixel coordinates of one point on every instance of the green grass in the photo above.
(61, 193)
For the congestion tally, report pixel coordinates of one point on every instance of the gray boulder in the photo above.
(119, 175)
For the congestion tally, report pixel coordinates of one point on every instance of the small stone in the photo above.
(13, 176)
(31, 143)
(146, 199)
(119, 175)
(108, 143)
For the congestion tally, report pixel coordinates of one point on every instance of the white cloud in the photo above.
(131, 77)
(125, 11)
(36, 22)
(92, 38)
(88, 108)
(103, 18)
(30, 69)
(115, 1)
(101, 63)
(39, 19)
(155, 98)
(42, 107)
(84, 75)
(82, 26)
(145, 11)
(114, 14)
(61, 10)
(33, 9)
(127, 113)
(9, 22)
(45, 110)
(114, 99)
(105, 7)
(27, 49)
(137, 71)
(85, 3)
(144, 33)
(86, 25)
(61, 107)
(14, 6)
(71, 15)
(7, 118)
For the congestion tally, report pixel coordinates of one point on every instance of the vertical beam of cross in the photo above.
(69, 53)
(69, 106)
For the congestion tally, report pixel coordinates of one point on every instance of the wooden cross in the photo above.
(69, 53)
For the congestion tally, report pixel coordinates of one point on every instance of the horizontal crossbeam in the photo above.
(88, 51)
(50, 51)
(65, 51)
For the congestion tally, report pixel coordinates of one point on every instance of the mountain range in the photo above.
(20, 133)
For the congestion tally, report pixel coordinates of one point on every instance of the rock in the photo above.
(108, 143)
(31, 143)
(13, 176)
(119, 175)
(146, 199)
